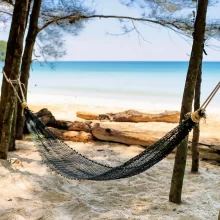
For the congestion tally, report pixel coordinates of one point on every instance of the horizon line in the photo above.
(123, 61)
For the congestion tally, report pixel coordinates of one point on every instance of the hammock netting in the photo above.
(71, 164)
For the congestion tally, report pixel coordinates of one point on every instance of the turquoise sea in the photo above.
(132, 81)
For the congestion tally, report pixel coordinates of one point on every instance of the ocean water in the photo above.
(152, 82)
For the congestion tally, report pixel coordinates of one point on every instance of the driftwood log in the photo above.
(132, 116)
(76, 136)
(66, 130)
(211, 152)
(120, 134)
(115, 132)
(48, 119)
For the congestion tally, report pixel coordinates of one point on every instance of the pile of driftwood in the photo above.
(105, 127)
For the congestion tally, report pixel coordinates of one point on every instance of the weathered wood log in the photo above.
(48, 119)
(135, 116)
(107, 132)
(132, 116)
(208, 153)
(76, 136)
(215, 147)
(115, 132)
(79, 126)
(210, 145)
(87, 115)
(122, 134)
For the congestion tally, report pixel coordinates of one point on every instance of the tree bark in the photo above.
(14, 123)
(14, 58)
(8, 64)
(27, 60)
(11, 146)
(196, 130)
(193, 69)
(13, 134)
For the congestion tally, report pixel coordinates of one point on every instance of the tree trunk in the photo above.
(26, 62)
(14, 58)
(219, 215)
(8, 64)
(193, 69)
(11, 146)
(13, 134)
(196, 130)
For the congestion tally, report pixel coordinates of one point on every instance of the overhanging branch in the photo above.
(73, 18)
(5, 12)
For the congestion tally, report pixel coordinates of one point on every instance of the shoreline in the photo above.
(71, 104)
(42, 98)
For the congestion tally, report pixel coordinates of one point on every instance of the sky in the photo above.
(98, 40)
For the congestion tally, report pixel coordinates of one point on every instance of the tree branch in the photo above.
(73, 18)
(56, 19)
(5, 12)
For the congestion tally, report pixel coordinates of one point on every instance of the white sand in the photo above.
(30, 190)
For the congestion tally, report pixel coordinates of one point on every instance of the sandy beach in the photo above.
(30, 190)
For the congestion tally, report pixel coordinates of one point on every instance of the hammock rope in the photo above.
(70, 164)
(210, 97)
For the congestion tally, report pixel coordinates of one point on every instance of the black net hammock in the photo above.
(70, 164)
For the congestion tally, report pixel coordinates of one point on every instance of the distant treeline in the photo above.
(3, 46)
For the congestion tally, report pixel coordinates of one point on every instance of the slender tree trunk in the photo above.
(14, 58)
(196, 130)
(13, 135)
(8, 64)
(10, 51)
(26, 61)
(193, 69)
(219, 215)
(11, 146)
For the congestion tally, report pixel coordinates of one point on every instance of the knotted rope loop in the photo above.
(23, 105)
(11, 83)
(197, 115)
(200, 113)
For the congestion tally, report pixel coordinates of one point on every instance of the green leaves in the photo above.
(3, 46)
